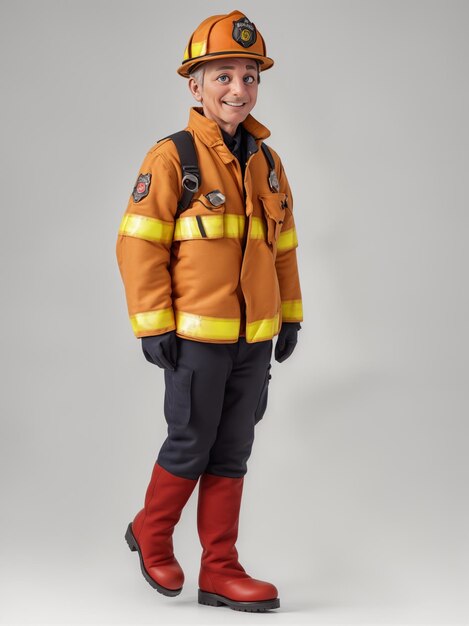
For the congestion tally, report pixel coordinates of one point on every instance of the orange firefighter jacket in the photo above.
(213, 273)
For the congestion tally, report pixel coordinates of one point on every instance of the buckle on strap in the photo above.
(190, 182)
(273, 181)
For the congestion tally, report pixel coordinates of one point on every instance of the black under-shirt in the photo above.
(237, 145)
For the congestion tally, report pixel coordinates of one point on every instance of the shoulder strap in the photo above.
(273, 180)
(191, 178)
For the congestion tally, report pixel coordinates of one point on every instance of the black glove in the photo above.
(161, 350)
(287, 340)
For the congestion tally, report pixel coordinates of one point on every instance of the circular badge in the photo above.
(245, 34)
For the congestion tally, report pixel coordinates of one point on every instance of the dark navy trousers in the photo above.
(213, 400)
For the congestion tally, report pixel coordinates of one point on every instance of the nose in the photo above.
(238, 87)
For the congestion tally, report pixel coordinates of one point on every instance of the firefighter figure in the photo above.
(207, 254)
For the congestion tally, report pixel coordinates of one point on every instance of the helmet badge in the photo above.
(244, 32)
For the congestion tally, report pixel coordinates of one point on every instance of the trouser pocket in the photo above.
(177, 397)
(262, 404)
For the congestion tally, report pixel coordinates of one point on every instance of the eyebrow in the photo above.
(232, 67)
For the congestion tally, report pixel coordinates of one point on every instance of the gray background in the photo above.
(356, 496)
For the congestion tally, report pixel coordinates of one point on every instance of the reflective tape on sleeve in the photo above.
(261, 330)
(148, 228)
(152, 320)
(287, 240)
(292, 310)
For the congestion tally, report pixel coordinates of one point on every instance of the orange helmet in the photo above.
(224, 36)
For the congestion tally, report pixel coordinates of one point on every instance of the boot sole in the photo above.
(134, 547)
(213, 599)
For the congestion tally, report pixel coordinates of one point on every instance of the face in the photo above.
(229, 91)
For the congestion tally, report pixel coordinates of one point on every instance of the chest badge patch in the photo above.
(244, 32)
(142, 187)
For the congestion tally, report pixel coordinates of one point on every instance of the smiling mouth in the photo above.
(236, 105)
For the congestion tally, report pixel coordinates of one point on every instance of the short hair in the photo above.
(197, 73)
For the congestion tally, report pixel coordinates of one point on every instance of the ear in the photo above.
(194, 88)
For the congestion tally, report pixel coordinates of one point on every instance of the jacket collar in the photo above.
(209, 132)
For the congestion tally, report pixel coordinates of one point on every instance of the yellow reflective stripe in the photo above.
(152, 320)
(188, 227)
(148, 228)
(234, 225)
(198, 48)
(292, 310)
(262, 329)
(216, 226)
(258, 230)
(287, 240)
(229, 225)
(213, 225)
(207, 327)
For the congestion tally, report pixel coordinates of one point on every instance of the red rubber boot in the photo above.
(151, 532)
(222, 580)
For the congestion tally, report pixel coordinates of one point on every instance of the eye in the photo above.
(223, 76)
(249, 79)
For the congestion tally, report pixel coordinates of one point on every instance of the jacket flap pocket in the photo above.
(274, 212)
(274, 205)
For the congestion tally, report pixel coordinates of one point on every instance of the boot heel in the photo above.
(208, 598)
(129, 537)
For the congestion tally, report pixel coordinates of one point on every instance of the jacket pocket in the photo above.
(262, 404)
(177, 397)
(273, 205)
